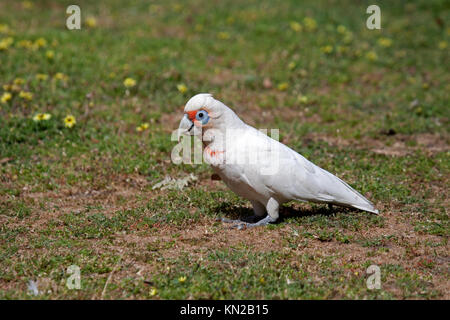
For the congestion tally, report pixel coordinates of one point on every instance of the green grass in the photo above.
(83, 195)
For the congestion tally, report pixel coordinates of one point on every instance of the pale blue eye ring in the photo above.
(202, 116)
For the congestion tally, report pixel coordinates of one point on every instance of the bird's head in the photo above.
(203, 112)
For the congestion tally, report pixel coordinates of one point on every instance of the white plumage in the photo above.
(259, 168)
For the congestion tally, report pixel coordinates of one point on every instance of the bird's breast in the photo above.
(214, 156)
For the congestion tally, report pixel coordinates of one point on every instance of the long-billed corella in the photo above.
(260, 168)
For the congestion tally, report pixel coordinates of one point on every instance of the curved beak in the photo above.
(186, 127)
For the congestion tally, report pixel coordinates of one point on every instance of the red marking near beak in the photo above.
(191, 115)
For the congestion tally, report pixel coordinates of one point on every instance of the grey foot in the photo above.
(249, 219)
(263, 222)
(226, 220)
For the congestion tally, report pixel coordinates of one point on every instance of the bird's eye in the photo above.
(202, 116)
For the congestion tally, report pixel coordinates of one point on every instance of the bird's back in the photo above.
(271, 167)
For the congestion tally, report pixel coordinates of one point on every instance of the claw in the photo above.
(238, 226)
(246, 225)
(249, 219)
(229, 220)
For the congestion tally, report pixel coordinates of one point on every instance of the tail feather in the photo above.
(371, 210)
(348, 199)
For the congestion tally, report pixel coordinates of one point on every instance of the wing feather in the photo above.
(298, 178)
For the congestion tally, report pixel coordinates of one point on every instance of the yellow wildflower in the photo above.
(303, 99)
(385, 42)
(27, 4)
(292, 65)
(91, 22)
(348, 37)
(6, 97)
(153, 292)
(4, 28)
(411, 80)
(60, 76)
(15, 88)
(143, 127)
(327, 49)
(182, 279)
(26, 95)
(154, 8)
(40, 43)
(3, 45)
(27, 44)
(11, 87)
(177, 7)
(6, 43)
(129, 82)
(262, 280)
(372, 56)
(9, 40)
(42, 117)
(41, 77)
(310, 24)
(297, 27)
(223, 35)
(283, 86)
(198, 27)
(442, 45)
(182, 88)
(18, 81)
(341, 29)
(419, 110)
(230, 20)
(69, 121)
(50, 54)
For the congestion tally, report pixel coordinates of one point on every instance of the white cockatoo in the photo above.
(258, 167)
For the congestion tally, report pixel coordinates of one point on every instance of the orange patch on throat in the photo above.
(213, 153)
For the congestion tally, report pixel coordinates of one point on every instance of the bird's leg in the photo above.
(258, 209)
(272, 216)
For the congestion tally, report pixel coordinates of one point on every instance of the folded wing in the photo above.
(296, 178)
